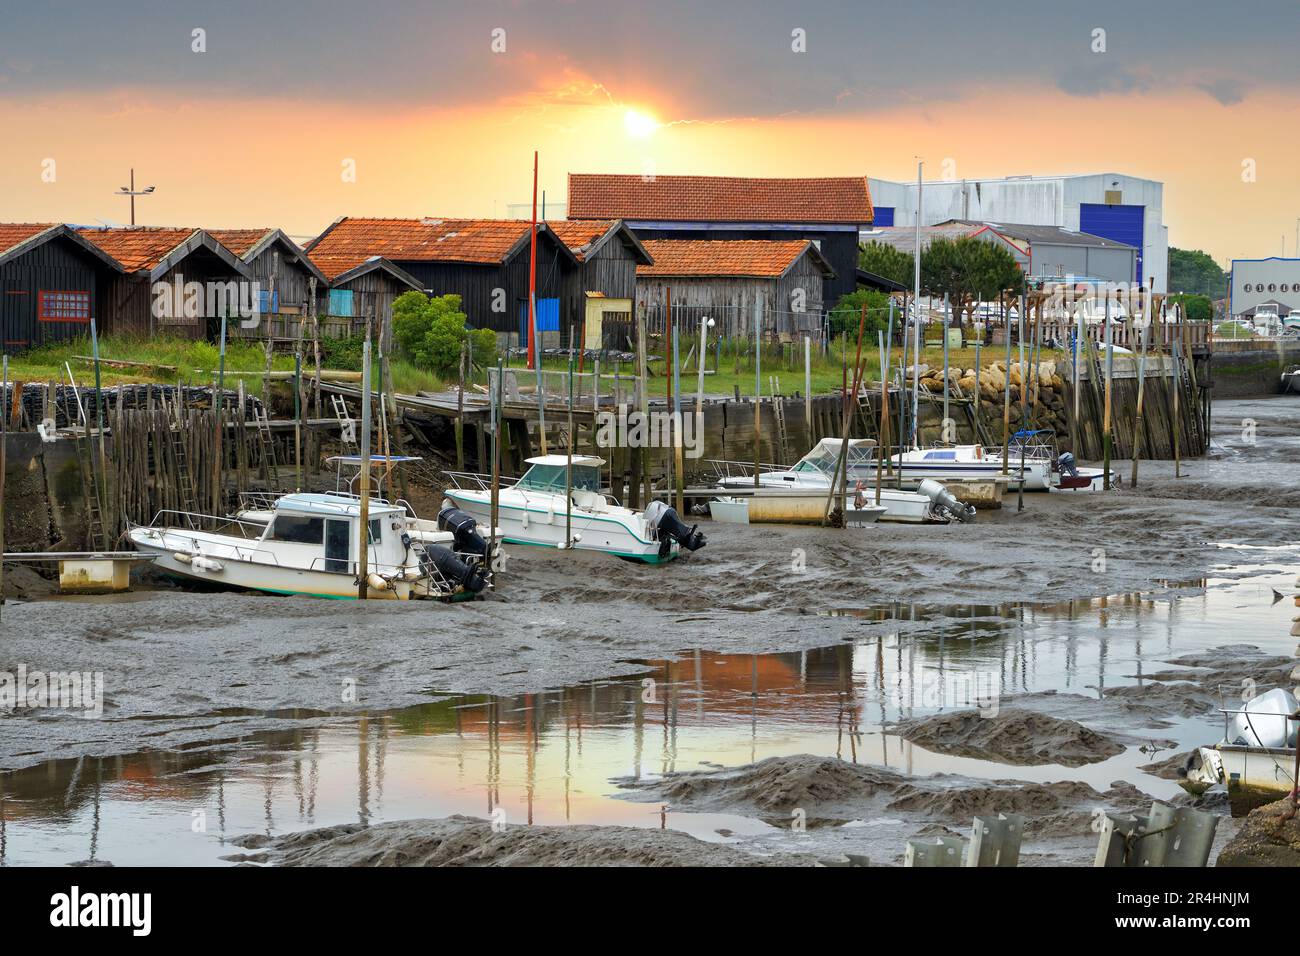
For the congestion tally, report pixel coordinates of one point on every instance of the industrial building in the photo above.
(1273, 281)
(1123, 209)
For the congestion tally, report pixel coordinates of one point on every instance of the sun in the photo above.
(639, 125)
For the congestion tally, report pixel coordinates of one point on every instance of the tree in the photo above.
(1196, 308)
(431, 331)
(844, 316)
(969, 271)
(886, 261)
(1195, 272)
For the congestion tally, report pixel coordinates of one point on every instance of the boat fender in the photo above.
(199, 563)
(375, 581)
(182, 557)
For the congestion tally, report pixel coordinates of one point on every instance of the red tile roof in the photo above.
(138, 247)
(239, 241)
(719, 198)
(350, 242)
(722, 257)
(579, 234)
(13, 233)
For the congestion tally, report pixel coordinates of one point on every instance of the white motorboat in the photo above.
(1291, 379)
(816, 470)
(972, 462)
(1256, 758)
(311, 545)
(535, 509)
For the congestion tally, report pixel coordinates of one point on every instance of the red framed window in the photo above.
(64, 307)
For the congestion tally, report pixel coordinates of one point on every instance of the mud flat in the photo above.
(184, 668)
(466, 841)
(1011, 736)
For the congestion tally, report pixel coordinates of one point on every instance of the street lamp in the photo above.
(133, 192)
(706, 322)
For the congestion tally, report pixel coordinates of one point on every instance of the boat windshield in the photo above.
(825, 460)
(552, 478)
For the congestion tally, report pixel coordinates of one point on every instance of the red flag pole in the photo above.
(532, 274)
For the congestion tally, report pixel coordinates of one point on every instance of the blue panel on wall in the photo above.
(548, 317)
(1117, 223)
(884, 216)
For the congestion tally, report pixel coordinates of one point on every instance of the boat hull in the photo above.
(523, 524)
(795, 505)
(268, 578)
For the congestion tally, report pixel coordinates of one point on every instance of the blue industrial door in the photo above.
(548, 317)
(1117, 223)
(884, 216)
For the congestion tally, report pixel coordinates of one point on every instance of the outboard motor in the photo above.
(945, 500)
(464, 528)
(1066, 463)
(669, 527)
(470, 577)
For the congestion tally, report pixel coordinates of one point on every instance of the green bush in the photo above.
(1197, 308)
(430, 331)
(343, 353)
(844, 316)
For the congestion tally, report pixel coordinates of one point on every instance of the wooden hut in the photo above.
(283, 273)
(484, 261)
(160, 267)
(598, 295)
(727, 280)
(50, 283)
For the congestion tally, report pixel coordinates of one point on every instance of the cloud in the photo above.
(1228, 92)
(1101, 80)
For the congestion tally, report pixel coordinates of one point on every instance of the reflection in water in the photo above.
(549, 757)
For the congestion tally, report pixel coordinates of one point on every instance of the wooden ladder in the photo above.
(184, 479)
(266, 446)
(96, 537)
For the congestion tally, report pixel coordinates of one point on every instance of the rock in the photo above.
(1269, 836)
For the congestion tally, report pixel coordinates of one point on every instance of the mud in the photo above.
(183, 668)
(1011, 736)
(465, 841)
(1269, 836)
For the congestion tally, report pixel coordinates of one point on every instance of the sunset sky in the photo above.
(259, 129)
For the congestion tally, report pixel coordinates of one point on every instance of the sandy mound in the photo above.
(1269, 836)
(823, 787)
(465, 841)
(1013, 736)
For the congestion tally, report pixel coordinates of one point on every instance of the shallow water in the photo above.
(550, 757)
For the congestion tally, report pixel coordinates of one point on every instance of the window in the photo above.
(376, 535)
(64, 307)
(298, 529)
(340, 302)
(268, 302)
(1114, 197)
(552, 478)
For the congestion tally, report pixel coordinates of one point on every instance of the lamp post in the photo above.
(133, 192)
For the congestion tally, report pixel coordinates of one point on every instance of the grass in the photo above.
(176, 361)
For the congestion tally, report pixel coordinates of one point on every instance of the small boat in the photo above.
(1256, 758)
(311, 545)
(971, 463)
(535, 509)
(1291, 379)
(770, 505)
(811, 477)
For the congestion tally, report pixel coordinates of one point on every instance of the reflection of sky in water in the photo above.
(549, 757)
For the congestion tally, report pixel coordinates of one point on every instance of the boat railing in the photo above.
(473, 481)
(720, 469)
(195, 521)
(257, 500)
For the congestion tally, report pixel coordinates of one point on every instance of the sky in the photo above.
(292, 114)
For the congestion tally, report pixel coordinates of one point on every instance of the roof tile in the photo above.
(721, 257)
(137, 247)
(844, 199)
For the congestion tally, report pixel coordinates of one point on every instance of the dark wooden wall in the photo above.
(54, 266)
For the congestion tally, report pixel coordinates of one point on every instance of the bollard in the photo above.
(948, 851)
(995, 841)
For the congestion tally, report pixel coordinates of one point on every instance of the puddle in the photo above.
(548, 758)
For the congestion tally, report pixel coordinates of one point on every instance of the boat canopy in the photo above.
(549, 476)
(562, 460)
(332, 504)
(825, 455)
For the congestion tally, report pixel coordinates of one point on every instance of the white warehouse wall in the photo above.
(1035, 201)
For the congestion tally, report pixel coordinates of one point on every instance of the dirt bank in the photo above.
(1269, 836)
(465, 841)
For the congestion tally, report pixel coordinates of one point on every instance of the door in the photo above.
(1117, 223)
(338, 538)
